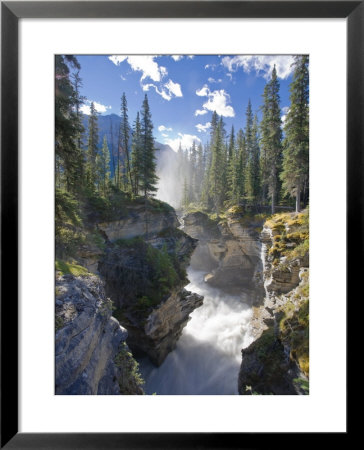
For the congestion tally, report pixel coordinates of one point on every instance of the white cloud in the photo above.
(117, 59)
(164, 135)
(177, 57)
(217, 101)
(203, 128)
(167, 90)
(285, 110)
(150, 69)
(163, 128)
(123, 78)
(186, 141)
(190, 56)
(212, 80)
(142, 63)
(174, 88)
(210, 66)
(261, 64)
(100, 108)
(200, 112)
(203, 92)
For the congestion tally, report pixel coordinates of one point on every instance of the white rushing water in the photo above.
(208, 354)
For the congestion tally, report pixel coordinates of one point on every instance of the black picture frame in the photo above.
(11, 12)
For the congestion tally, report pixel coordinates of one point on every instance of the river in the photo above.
(207, 358)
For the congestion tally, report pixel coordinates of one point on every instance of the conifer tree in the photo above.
(205, 197)
(271, 141)
(103, 167)
(255, 161)
(67, 128)
(148, 176)
(78, 100)
(241, 166)
(216, 172)
(199, 171)
(185, 194)
(136, 154)
(296, 142)
(231, 169)
(253, 168)
(112, 152)
(92, 146)
(124, 143)
(193, 171)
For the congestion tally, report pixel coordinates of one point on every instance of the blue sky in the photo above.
(183, 90)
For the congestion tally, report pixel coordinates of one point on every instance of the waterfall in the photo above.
(263, 253)
(207, 358)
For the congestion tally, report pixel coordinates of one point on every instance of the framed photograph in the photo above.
(183, 165)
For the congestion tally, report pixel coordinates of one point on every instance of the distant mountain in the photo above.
(109, 126)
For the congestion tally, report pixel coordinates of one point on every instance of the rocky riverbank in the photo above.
(230, 248)
(124, 288)
(91, 352)
(277, 362)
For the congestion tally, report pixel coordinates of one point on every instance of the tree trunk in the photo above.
(273, 203)
(298, 199)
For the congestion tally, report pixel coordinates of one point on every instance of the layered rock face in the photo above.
(146, 279)
(91, 354)
(277, 361)
(158, 334)
(230, 250)
(139, 222)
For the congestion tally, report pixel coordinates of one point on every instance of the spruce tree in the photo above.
(271, 141)
(148, 176)
(241, 167)
(78, 101)
(185, 194)
(103, 167)
(216, 172)
(136, 155)
(124, 143)
(67, 127)
(112, 152)
(296, 143)
(253, 166)
(231, 169)
(199, 171)
(193, 172)
(92, 146)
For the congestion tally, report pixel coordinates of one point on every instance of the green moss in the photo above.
(237, 209)
(303, 384)
(59, 323)
(66, 268)
(155, 205)
(135, 242)
(97, 239)
(294, 331)
(293, 244)
(130, 380)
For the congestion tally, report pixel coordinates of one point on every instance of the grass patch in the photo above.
(66, 268)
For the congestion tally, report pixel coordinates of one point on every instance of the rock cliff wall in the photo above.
(277, 361)
(229, 249)
(146, 279)
(142, 257)
(91, 354)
